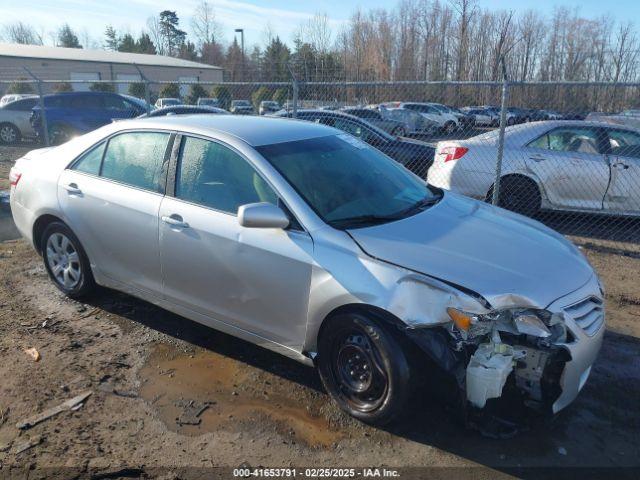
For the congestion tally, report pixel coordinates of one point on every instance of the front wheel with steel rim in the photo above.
(66, 261)
(9, 134)
(364, 368)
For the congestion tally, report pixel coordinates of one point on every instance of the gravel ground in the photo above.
(170, 397)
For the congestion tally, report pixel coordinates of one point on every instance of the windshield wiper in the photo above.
(370, 220)
(362, 221)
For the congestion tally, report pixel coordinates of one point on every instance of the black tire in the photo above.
(364, 368)
(518, 194)
(9, 134)
(399, 131)
(55, 255)
(511, 121)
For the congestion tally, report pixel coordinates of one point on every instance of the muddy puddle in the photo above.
(208, 392)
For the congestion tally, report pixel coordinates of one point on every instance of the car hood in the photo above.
(509, 259)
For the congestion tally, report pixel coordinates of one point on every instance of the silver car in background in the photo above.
(304, 240)
(15, 120)
(558, 165)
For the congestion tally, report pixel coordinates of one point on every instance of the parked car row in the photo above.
(414, 155)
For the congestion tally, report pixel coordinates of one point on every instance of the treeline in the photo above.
(436, 40)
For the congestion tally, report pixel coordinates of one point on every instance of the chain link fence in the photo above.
(567, 154)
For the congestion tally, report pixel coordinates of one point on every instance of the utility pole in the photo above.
(241, 32)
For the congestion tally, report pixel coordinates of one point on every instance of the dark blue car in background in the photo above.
(75, 113)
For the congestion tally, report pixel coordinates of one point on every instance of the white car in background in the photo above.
(12, 97)
(553, 165)
(445, 121)
(167, 102)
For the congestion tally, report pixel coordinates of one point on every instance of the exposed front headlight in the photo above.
(529, 324)
(537, 323)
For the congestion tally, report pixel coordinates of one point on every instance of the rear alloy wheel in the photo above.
(65, 261)
(9, 134)
(364, 368)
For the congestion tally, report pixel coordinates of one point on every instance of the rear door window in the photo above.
(136, 159)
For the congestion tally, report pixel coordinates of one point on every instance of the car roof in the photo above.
(255, 131)
(75, 94)
(570, 123)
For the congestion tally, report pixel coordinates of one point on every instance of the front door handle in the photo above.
(621, 166)
(175, 221)
(72, 189)
(537, 158)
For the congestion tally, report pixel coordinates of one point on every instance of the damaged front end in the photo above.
(525, 342)
(533, 358)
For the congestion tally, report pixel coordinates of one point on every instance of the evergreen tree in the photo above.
(172, 36)
(145, 45)
(67, 37)
(127, 44)
(111, 38)
(195, 92)
(170, 90)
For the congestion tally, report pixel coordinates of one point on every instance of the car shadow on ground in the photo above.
(598, 431)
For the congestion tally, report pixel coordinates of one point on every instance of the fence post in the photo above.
(45, 127)
(295, 98)
(503, 122)
(147, 91)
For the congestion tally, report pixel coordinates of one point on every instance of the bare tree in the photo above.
(155, 32)
(466, 10)
(19, 32)
(204, 24)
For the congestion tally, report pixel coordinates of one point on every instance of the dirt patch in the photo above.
(205, 392)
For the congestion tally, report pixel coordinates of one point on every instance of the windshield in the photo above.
(348, 183)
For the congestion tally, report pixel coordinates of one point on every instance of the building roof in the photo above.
(101, 56)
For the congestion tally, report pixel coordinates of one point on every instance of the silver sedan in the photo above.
(591, 167)
(306, 241)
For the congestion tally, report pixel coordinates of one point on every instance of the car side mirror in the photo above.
(262, 215)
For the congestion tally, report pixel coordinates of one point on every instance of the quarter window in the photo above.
(136, 159)
(214, 176)
(90, 161)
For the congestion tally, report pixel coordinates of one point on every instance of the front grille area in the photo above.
(588, 314)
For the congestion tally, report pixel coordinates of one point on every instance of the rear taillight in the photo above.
(453, 153)
(14, 177)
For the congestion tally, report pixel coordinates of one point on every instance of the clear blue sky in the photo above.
(89, 17)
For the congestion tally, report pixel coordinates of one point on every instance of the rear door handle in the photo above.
(175, 221)
(72, 189)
